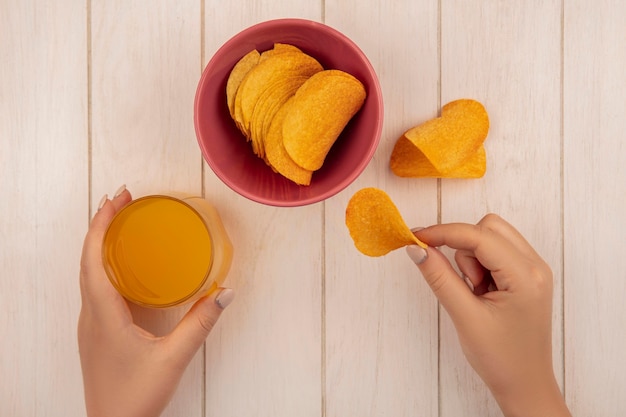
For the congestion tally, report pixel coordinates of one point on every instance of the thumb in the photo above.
(447, 285)
(193, 329)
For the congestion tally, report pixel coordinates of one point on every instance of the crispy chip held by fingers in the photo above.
(375, 224)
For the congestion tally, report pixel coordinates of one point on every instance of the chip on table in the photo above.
(450, 146)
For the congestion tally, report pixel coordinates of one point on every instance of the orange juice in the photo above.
(161, 251)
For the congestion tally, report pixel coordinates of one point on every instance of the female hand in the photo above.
(128, 371)
(504, 319)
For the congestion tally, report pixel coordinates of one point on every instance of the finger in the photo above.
(193, 329)
(92, 248)
(91, 258)
(96, 290)
(471, 269)
(491, 249)
(445, 283)
(506, 230)
(121, 198)
(486, 285)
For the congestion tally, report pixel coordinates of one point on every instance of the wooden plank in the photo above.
(506, 55)
(145, 59)
(264, 356)
(380, 316)
(594, 206)
(370, 335)
(43, 181)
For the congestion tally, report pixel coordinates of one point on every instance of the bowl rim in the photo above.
(344, 182)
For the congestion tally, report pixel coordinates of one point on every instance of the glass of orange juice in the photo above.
(162, 251)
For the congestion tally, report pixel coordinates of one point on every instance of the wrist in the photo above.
(539, 399)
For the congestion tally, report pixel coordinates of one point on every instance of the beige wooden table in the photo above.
(95, 94)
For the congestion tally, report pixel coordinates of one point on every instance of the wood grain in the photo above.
(380, 317)
(507, 56)
(97, 94)
(145, 59)
(594, 206)
(264, 356)
(44, 184)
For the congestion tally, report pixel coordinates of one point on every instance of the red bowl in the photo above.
(230, 156)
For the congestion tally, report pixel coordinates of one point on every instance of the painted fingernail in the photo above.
(103, 201)
(119, 191)
(416, 253)
(468, 282)
(224, 298)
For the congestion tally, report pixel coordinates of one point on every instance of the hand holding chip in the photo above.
(506, 332)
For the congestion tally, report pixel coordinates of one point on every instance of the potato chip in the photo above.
(239, 71)
(279, 48)
(276, 154)
(375, 224)
(258, 90)
(284, 65)
(322, 107)
(266, 107)
(450, 146)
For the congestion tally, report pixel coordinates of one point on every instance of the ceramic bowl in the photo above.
(230, 156)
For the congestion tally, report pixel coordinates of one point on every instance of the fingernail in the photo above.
(224, 298)
(417, 229)
(416, 253)
(119, 191)
(468, 282)
(103, 201)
